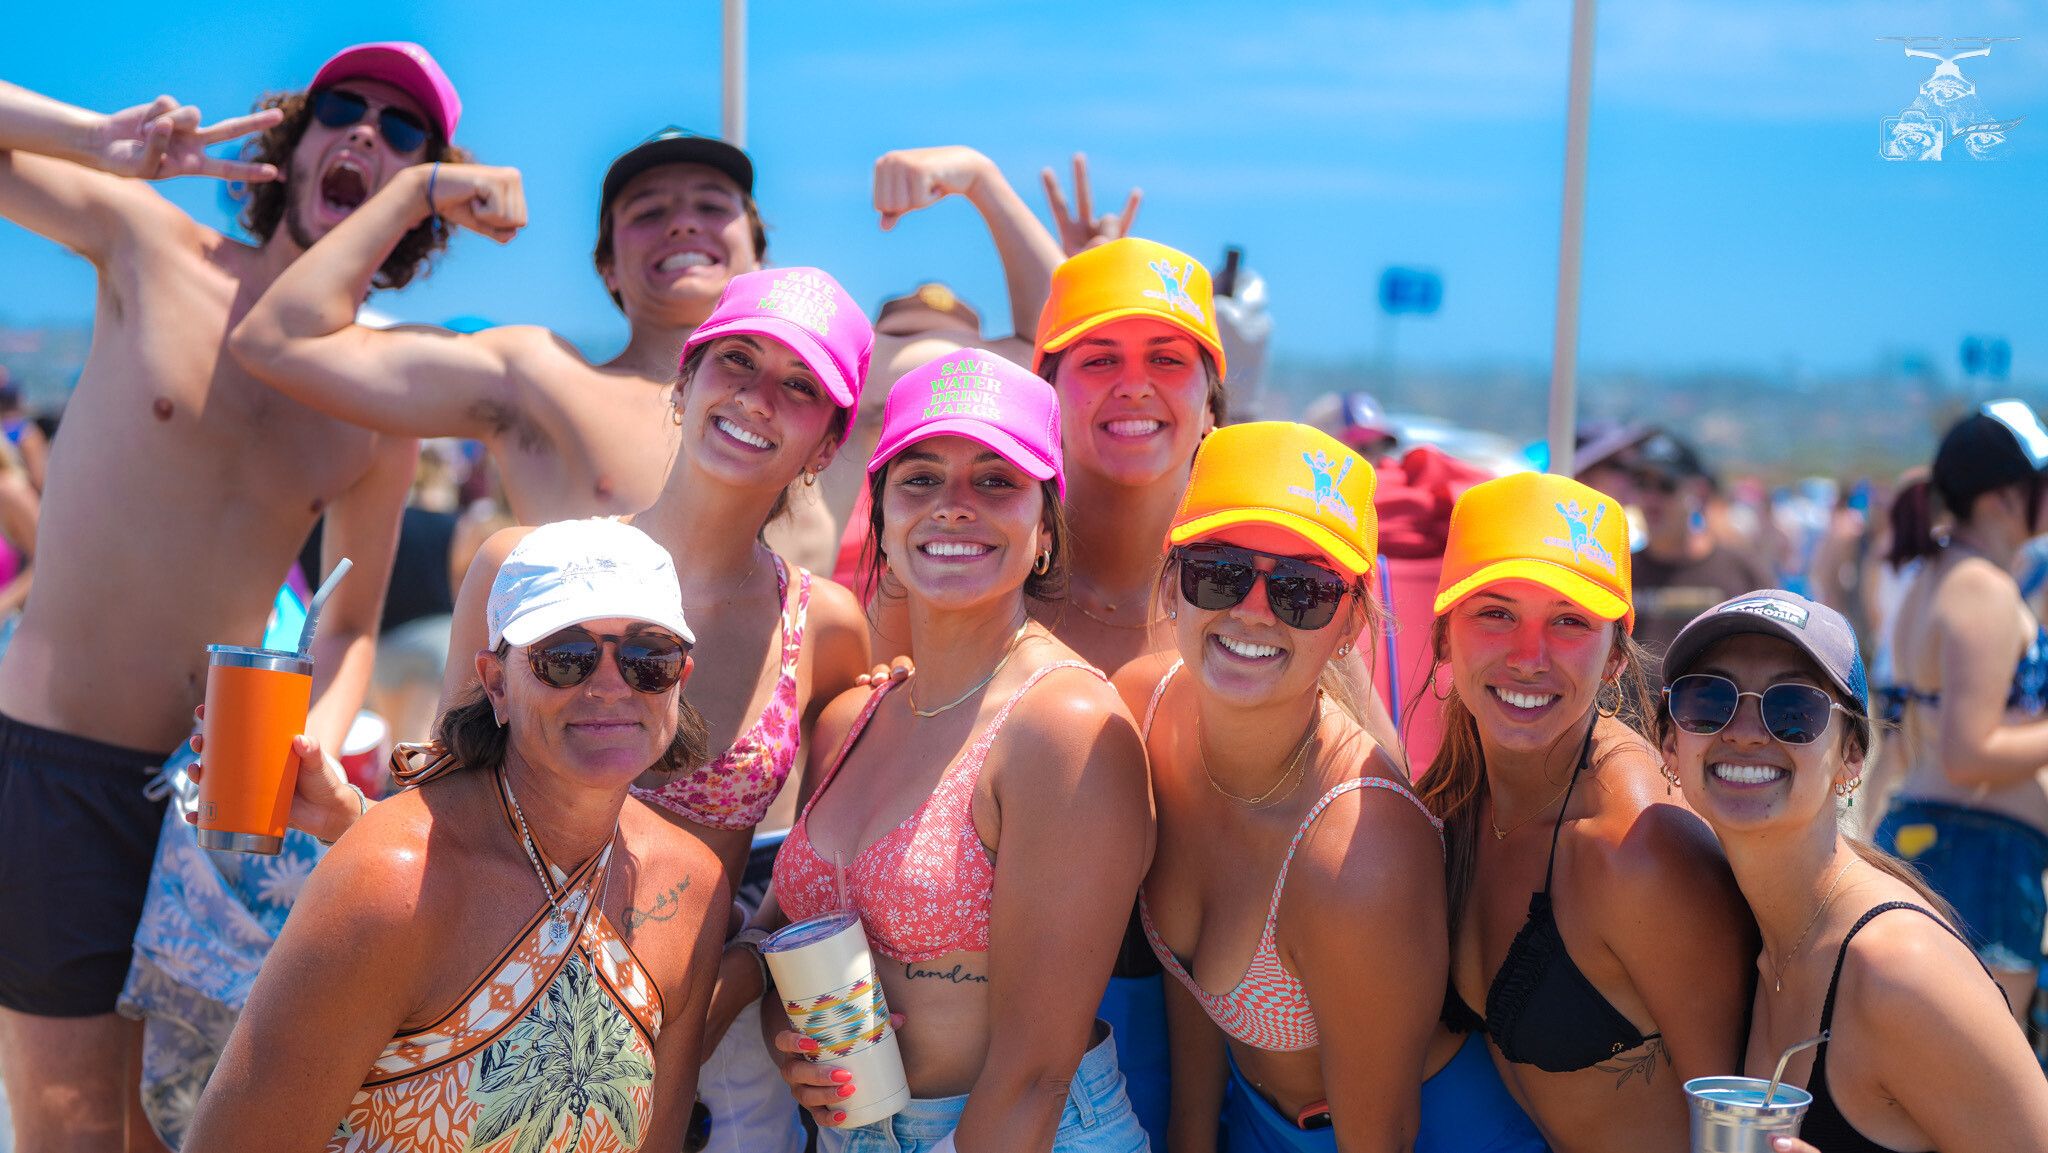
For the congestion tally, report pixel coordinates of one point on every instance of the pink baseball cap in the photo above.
(805, 309)
(405, 66)
(976, 394)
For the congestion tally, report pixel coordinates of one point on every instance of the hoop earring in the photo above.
(1670, 779)
(1442, 696)
(810, 478)
(1043, 564)
(1848, 788)
(675, 414)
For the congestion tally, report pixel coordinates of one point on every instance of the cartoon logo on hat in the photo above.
(1326, 477)
(802, 298)
(1582, 526)
(1773, 608)
(1173, 283)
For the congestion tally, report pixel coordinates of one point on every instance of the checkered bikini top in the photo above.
(1268, 1009)
(556, 1037)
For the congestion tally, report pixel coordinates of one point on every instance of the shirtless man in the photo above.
(676, 221)
(177, 500)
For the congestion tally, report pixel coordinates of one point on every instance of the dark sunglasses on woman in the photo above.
(340, 108)
(1301, 595)
(1704, 703)
(650, 662)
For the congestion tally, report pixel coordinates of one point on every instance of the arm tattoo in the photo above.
(665, 907)
(1642, 1061)
(957, 975)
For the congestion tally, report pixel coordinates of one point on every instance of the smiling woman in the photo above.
(987, 820)
(1920, 1052)
(529, 952)
(1611, 958)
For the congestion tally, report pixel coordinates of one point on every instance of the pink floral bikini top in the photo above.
(1268, 1008)
(925, 887)
(734, 791)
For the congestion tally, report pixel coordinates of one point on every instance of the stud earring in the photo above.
(1344, 650)
(1173, 614)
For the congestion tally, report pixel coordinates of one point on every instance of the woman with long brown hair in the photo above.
(1920, 1052)
(1593, 920)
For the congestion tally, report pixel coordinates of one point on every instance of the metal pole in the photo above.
(1564, 355)
(735, 89)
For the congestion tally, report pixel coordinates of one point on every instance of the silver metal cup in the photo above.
(1730, 1115)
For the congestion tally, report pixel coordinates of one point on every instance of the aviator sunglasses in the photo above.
(1704, 703)
(339, 108)
(650, 662)
(1301, 595)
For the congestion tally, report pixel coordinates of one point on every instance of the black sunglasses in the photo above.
(339, 108)
(1302, 595)
(650, 662)
(1704, 703)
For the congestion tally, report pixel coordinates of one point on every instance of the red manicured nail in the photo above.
(841, 1076)
(846, 1090)
(807, 1044)
(838, 1117)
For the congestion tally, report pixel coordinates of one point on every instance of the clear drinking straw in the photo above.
(839, 877)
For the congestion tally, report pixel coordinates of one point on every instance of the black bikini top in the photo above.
(1541, 1010)
(1825, 1127)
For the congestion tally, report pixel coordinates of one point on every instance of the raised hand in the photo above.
(163, 138)
(481, 198)
(912, 178)
(1082, 229)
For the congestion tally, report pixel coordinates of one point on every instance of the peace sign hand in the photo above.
(163, 138)
(1083, 229)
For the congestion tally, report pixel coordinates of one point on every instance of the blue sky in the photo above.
(1737, 216)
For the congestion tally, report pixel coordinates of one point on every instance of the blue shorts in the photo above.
(1986, 864)
(1097, 1119)
(1465, 1109)
(1135, 1008)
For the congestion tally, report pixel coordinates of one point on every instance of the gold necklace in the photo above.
(1500, 834)
(910, 694)
(1825, 901)
(1293, 763)
(1144, 624)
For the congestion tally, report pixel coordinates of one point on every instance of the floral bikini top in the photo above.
(734, 791)
(552, 1048)
(925, 888)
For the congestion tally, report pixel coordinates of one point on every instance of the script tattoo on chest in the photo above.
(957, 975)
(665, 907)
(1643, 1061)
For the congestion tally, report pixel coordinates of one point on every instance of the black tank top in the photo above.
(1825, 1128)
(1541, 1010)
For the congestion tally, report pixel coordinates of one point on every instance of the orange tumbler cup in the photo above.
(256, 702)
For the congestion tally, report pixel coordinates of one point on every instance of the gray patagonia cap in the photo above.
(1819, 631)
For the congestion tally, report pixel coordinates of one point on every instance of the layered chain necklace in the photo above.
(1289, 772)
(558, 917)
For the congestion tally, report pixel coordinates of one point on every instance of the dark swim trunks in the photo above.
(77, 837)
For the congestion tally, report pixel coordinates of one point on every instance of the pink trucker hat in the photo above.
(976, 394)
(405, 66)
(805, 309)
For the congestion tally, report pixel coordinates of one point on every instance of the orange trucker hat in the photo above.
(1126, 278)
(1288, 476)
(1535, 526)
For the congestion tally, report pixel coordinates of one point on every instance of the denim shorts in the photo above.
(1986, 864)
(1097, 1119)
(1465, 1109)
